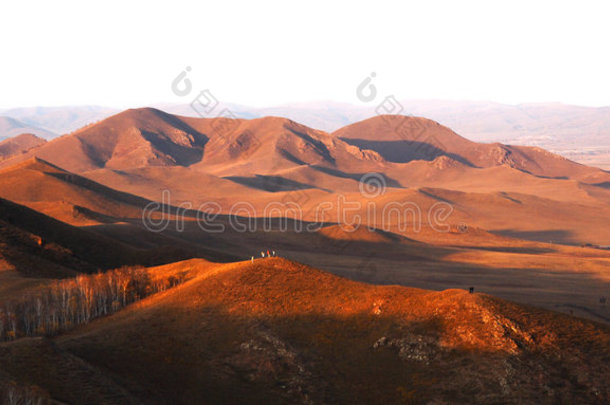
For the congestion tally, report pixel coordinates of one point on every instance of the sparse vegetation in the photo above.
(77, 301)
(14, 394)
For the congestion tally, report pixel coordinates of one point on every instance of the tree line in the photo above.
(14, 394)
(67, 303)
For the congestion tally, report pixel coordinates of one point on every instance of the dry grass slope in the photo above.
(280, 332)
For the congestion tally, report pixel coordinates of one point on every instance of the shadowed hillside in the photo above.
(35, 244)
(402, 139)
(279, 332)
(146, 151)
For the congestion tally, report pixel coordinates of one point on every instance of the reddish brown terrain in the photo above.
(418, 215)
(19, 144)
(279, 332)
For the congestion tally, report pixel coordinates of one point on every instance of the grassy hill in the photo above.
(276, 331)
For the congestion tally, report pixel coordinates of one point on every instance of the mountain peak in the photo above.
(19, 144)
(398, 128)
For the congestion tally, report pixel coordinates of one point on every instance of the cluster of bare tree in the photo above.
(77, 301)
(13, 394)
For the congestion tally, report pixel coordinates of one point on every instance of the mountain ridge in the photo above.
(149, 137)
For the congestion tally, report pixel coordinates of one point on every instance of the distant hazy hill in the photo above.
(58, 120)
(148, 137)
(580, 133)
(10, 127)
(540, 124)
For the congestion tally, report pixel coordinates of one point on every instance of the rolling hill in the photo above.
(576, 132)
(83, 203)
(403, 139)
(279, 332)
(66, 196)
(275, 331)
(149, 137)
(19, 144)
(146, 151)
(517, 213)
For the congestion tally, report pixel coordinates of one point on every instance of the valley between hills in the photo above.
(381, 227)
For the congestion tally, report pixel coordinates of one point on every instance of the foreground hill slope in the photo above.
(279, 332)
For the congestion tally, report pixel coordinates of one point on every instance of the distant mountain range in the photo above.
(49, 122)
(142, 151)
(10, 127)
(538, 124)
(580, 133)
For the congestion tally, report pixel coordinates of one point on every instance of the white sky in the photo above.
(261, 53)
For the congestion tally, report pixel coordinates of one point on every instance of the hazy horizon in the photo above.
(304, 104)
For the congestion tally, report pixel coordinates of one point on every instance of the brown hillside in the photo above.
(19, 144)
(279, 332)
(52, 190)
(403, 139)
(31, 239)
